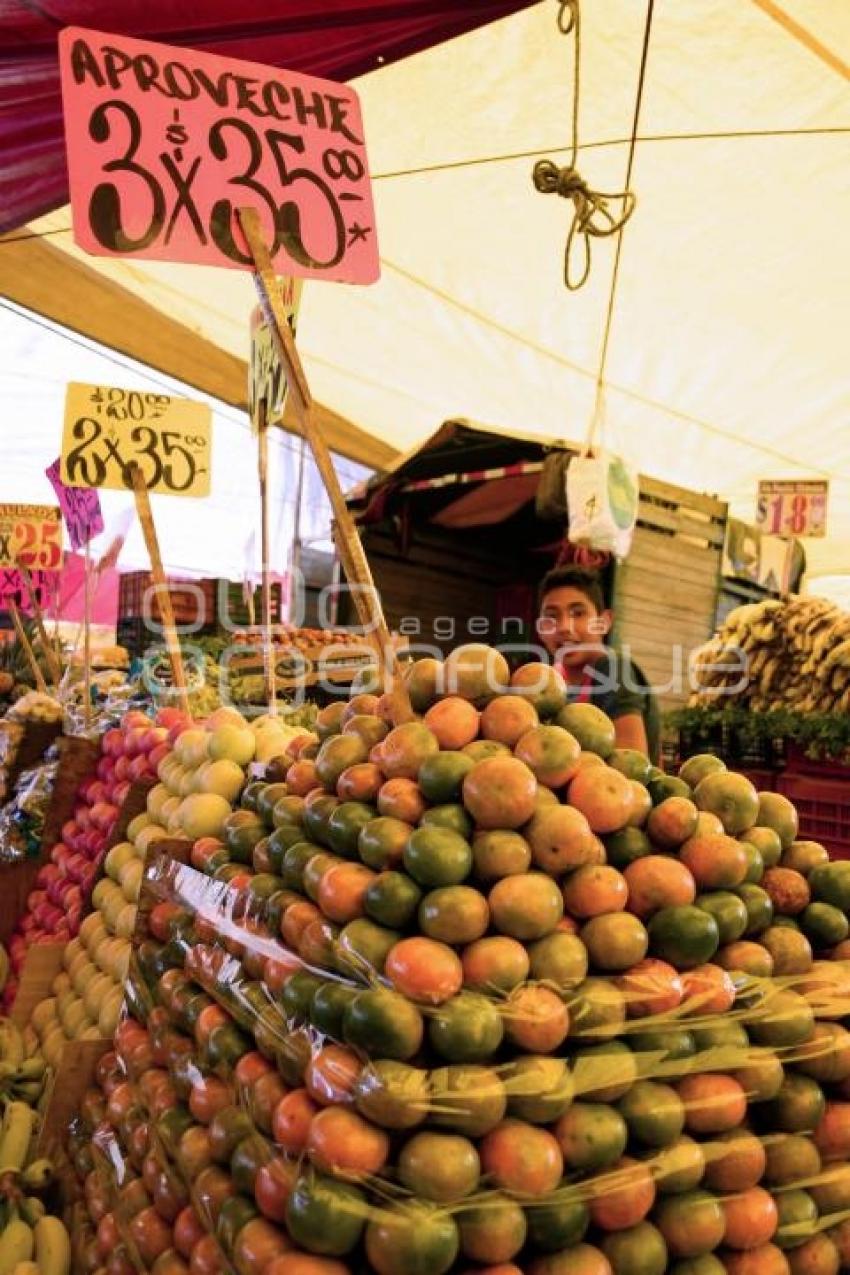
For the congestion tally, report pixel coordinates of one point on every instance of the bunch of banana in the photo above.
(772, 654)
(25, 1081)
(31, 1243)
(23, 1070)
(17, 1172)
(12, 1047)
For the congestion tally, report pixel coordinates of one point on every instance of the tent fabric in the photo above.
(336, 39)
(726, 361)
(494, 501)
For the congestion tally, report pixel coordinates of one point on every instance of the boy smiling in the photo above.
(573, 624)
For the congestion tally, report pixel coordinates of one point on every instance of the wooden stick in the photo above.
(53, 665)
(163, 597)
(40, 683)
(354, 560)
(295, 551)
(87, 640)
(263, 470)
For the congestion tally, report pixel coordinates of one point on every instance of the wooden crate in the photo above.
(188, 606)
(73, 1076)
(42, 963)
(16, 882)
(666, 590)
(36, 739)
(77, 759)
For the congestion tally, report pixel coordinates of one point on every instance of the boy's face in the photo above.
(570, 625)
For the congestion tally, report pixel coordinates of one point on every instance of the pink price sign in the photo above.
(165, 144)
(80, 508)
(12, 587)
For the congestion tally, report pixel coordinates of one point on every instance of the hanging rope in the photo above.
(597, 420)
(596, 214)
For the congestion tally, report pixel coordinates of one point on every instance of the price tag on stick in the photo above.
(165, 143)
(31, 536)
(13, 589)
(80, 508)
(108, 430)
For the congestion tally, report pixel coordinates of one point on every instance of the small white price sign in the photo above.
(31, 536)
(108, 429)
(266, 378)
(792, 507)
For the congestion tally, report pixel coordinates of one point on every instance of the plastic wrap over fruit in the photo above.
(309, 1101)
(483, 989)
(108, 707)
(22, 818)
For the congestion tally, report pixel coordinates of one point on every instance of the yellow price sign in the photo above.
(31, 537)
(106, 430)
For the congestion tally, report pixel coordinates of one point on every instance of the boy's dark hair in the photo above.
(586, 582)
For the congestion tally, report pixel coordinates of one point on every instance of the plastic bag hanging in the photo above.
(602, 502)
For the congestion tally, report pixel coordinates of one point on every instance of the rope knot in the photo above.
(549, 179)
(592, 216)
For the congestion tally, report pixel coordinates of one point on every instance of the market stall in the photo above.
(379, 953)
(458, 544)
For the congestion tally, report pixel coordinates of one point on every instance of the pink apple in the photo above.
(113, 742)
(103, 815)
(169, 717)
(139, 767)
(135, 740)
(86, 798)
(95, 841)
(156, 755)
(175, 731)
(135, 718)
(119, 792)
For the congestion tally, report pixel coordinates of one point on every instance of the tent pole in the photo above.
(52, 662)
(263, 469)
(87, 639)
(40, 683)
(354, 561)
(295, 552)
(163, 597)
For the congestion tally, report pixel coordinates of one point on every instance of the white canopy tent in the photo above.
(217, 536)
(727, 360)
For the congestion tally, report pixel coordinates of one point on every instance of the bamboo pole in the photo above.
(354, 561)
(163, 597)
(87, 640)
(53, 665)
(295, 551)
(40, 683)
(265, 549)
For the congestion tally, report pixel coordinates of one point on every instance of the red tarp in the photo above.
(337, 39)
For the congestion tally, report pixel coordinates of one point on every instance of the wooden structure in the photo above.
(666, 590)
(458, 551)
(42, 963)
